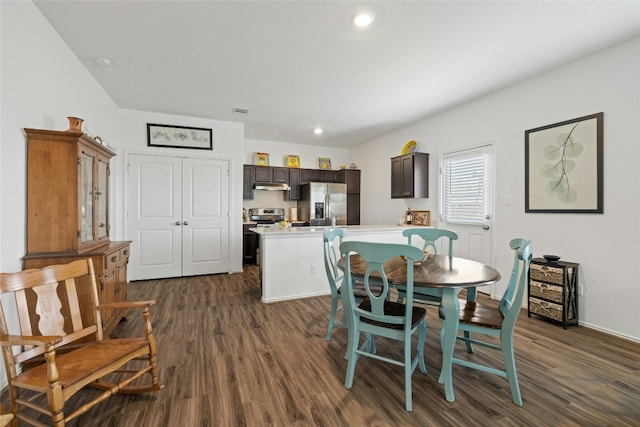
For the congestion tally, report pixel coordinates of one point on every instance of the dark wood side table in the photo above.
(553, 290)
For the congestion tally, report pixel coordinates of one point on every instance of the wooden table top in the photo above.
(438, 271)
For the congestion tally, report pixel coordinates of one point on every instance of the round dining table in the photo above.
(439, 275)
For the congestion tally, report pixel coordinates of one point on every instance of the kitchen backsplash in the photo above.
(270, 199)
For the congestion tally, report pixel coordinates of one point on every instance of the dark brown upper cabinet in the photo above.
(410, 176)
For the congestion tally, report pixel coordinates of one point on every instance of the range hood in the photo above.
(272, 186)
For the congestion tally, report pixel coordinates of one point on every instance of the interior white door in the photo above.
(466, 205)
(205, 216)
(154, 217)
(177, 216)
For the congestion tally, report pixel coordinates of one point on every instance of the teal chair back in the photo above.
(376, 315)
(334, 275)
(498, 321)
(513, 296)
(430, 236)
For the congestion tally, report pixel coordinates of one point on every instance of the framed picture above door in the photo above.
(179, 137)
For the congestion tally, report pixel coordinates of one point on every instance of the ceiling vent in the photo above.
(240, 111)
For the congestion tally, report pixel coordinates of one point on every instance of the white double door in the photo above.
(177, 216)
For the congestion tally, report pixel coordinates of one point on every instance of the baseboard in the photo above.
(610, 332)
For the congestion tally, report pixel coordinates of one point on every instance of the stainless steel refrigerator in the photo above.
(319, 201)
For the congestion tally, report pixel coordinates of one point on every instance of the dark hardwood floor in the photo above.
(227, 359)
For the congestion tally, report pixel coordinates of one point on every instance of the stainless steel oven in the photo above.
(265, 217)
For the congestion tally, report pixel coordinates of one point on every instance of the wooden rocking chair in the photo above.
(61, 325)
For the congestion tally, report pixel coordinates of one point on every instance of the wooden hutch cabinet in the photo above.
(68, 212)
(553, 290)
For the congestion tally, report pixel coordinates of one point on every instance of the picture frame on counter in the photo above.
(179, 137)
(421, 218)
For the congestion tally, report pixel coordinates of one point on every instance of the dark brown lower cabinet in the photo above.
(249, 244)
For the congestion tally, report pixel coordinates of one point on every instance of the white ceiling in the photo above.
(299, 64)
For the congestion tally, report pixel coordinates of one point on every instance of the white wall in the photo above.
(227, 145)
(42, 83)
(607, 246)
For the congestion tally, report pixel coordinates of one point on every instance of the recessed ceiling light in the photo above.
(104, 61)
(318, 131)
(362, 19)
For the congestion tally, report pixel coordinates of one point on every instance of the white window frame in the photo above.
(473, 205)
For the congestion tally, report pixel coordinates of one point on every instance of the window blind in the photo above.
(464, 181)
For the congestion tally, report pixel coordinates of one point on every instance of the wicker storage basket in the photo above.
(546, 309)
(548, 274)
(546, 291)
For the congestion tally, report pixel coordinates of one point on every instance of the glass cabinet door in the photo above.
(86, 197)
(101, 199)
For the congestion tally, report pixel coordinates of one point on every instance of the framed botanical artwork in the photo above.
(261, 159)
(293, 161)
(564, 166)
(179, 137)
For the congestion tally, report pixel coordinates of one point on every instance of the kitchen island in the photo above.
(292, 258)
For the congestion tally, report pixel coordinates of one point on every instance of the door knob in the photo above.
(485, 227)
(185, 223)
(177, 222)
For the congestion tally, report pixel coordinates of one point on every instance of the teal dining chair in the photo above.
(376, 315)
(335, 277)
(497, 320)
(430, 236)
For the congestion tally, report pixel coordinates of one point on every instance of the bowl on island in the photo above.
(551, 258)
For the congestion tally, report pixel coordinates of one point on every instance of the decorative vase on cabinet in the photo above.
(68, 211)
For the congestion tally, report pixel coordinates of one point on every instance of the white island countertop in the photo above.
(292, 258)
(268, 231)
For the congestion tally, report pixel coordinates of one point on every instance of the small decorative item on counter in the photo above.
(261, 159)
(421, 217)
(353, 166)
(324, 163)
(551, 258)
(409, 216)
(75, 124)
(343, 166)
(293, 161)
